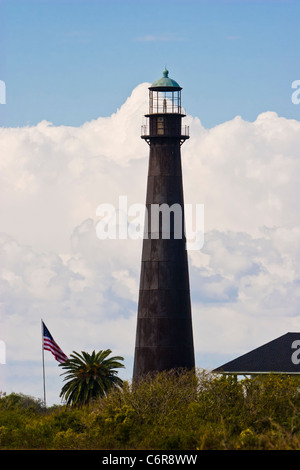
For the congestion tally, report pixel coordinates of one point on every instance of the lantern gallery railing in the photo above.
(166, 106)
(145, 131)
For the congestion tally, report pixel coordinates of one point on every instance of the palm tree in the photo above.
(89, 376)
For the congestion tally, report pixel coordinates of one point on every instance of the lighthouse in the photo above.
(164, 334)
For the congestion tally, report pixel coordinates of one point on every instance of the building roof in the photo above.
(282, 355)
(165, 82)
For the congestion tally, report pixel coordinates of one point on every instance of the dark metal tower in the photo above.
(164, 336)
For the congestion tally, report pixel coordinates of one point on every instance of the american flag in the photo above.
(50, 345)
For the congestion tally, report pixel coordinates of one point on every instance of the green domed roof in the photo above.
(165, 82)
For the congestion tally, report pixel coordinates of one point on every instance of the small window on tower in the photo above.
(160, 125)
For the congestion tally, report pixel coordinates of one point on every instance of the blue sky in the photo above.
(70, 61)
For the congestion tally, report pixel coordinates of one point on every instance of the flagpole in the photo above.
(43, 363)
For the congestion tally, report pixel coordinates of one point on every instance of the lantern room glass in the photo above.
(166, 101)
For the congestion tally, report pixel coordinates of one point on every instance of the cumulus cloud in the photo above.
(244, 281)
(52, 178)
(249, 172)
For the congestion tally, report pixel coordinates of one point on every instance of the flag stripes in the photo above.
(52, 346)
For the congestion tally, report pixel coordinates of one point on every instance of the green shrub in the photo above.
(166, 411)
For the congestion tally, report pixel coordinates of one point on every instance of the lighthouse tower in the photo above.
(164, 336)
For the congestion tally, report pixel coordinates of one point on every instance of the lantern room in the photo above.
(165, 96)
(165, 111)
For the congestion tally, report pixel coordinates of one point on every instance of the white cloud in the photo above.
(165, 37)
(249, 172)
(244, 282)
